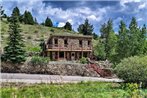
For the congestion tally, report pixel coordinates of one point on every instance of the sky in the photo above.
(75, 12)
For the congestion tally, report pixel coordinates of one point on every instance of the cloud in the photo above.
(61, 24)
(141, 6)
(76, 12)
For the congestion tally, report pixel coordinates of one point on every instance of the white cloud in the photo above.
(139, 19)
(70, 21)
(94, 18)
(61, 24)
(141, 6)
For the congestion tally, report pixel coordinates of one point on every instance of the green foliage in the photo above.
(123, 40)
(109, 40)
(37, 60)
(34, 49)
(131, 41)
(14, 51)
(1, 12)
(68, 26)
(134, 38)
(99, 50)
(48, 22)
(69, 90)
(95, 36)
(86, 28)
(83, 60)
(28, 18)
(35, 21)
(16, 12)
(133, 69)
(133, 90)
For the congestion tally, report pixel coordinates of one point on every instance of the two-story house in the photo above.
(69, 47)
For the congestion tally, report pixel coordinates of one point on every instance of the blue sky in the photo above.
(77, 11)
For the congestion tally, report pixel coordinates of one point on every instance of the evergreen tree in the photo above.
(14, 51)
(48, 22)
(86, 28)
(35, 21)
(99, 50)
(16, 12)
(142, 40)
(1, 12)
(28, 18)
(68, 26)
(109, 39)
(133, 38)
(95, 36)
(123, 40)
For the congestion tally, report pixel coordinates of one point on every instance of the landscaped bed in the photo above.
(79, 90)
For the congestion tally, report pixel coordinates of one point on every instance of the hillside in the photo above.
(33, 34)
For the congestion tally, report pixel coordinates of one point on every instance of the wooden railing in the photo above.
(68, 47)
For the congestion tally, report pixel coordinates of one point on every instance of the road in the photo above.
(39, 78)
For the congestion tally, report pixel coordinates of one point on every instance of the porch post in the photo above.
(58, 56)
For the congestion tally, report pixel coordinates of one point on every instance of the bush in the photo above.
(34, 49)
(52, 30)
(133, 90)
(132, 69)
(37, 60)
(29, 37)
(83, 60)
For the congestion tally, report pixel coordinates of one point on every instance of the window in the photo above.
(80, 43)
(89, 42)
(65, 43)
(56, 42)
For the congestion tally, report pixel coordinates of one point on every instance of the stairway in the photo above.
(100, 71)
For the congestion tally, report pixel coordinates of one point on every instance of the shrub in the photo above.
(52, 30)
(133, 90)
(37, 60)
(34, 49)
(29, 37)
(83, 60)
(132, 69)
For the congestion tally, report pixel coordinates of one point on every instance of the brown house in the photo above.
(69, 47)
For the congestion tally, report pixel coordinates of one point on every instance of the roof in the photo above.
(70, 35)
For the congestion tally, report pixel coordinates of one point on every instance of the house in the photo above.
(68, 47)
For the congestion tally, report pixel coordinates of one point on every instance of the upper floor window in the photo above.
(65, 43)
(89, 43)
(56, 42)
(80, 43)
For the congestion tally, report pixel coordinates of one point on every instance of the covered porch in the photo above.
(68, 55)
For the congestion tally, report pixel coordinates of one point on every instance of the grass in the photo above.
(79, 90)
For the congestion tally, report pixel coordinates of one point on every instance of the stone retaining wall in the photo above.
(73, 69)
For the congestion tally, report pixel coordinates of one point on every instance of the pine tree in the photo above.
(16, 12)
(109, 39)
(35, 21)
(1, 12)
(28, 18)
(99, 50)
(68, 26)
(48, 22)
(14, 51)
(133, 37)
(123, 40)
(86, 28)
(95, 36)
(142, 40)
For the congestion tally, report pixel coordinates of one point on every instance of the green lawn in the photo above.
(80, 90)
